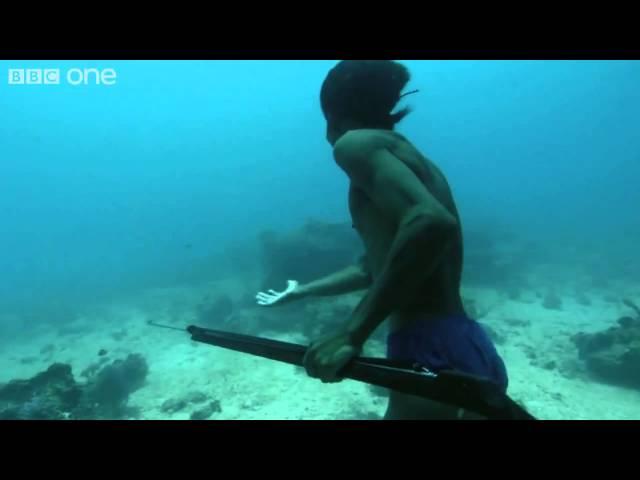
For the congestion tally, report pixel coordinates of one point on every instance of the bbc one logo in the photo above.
(54, 76)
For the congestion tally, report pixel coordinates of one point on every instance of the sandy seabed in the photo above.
(545, 373)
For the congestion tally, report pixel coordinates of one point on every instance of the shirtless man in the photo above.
(404, 211)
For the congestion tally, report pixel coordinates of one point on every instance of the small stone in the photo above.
(215, 406)
(102, 352)
(552, 302)
(173, 405)
(206, 412)
(626, 322)
(117, 336)
(47, 349)
(195, 397)
(551, 365)
(517, 322)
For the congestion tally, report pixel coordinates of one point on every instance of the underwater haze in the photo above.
(167, 181)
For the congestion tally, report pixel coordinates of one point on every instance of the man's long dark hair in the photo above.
(365, 91)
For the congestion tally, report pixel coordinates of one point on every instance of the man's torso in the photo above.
(440, 294)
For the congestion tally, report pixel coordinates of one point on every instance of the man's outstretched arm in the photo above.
(353, 278)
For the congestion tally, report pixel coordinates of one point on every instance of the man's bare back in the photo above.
(440, 294)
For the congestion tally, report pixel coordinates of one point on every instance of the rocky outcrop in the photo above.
(613, 355)
(55, 395)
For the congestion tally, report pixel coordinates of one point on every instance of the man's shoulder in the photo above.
(362, 143)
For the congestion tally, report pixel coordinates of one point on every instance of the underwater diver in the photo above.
(403, 209)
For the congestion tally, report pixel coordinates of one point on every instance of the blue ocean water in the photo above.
(110, 189)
